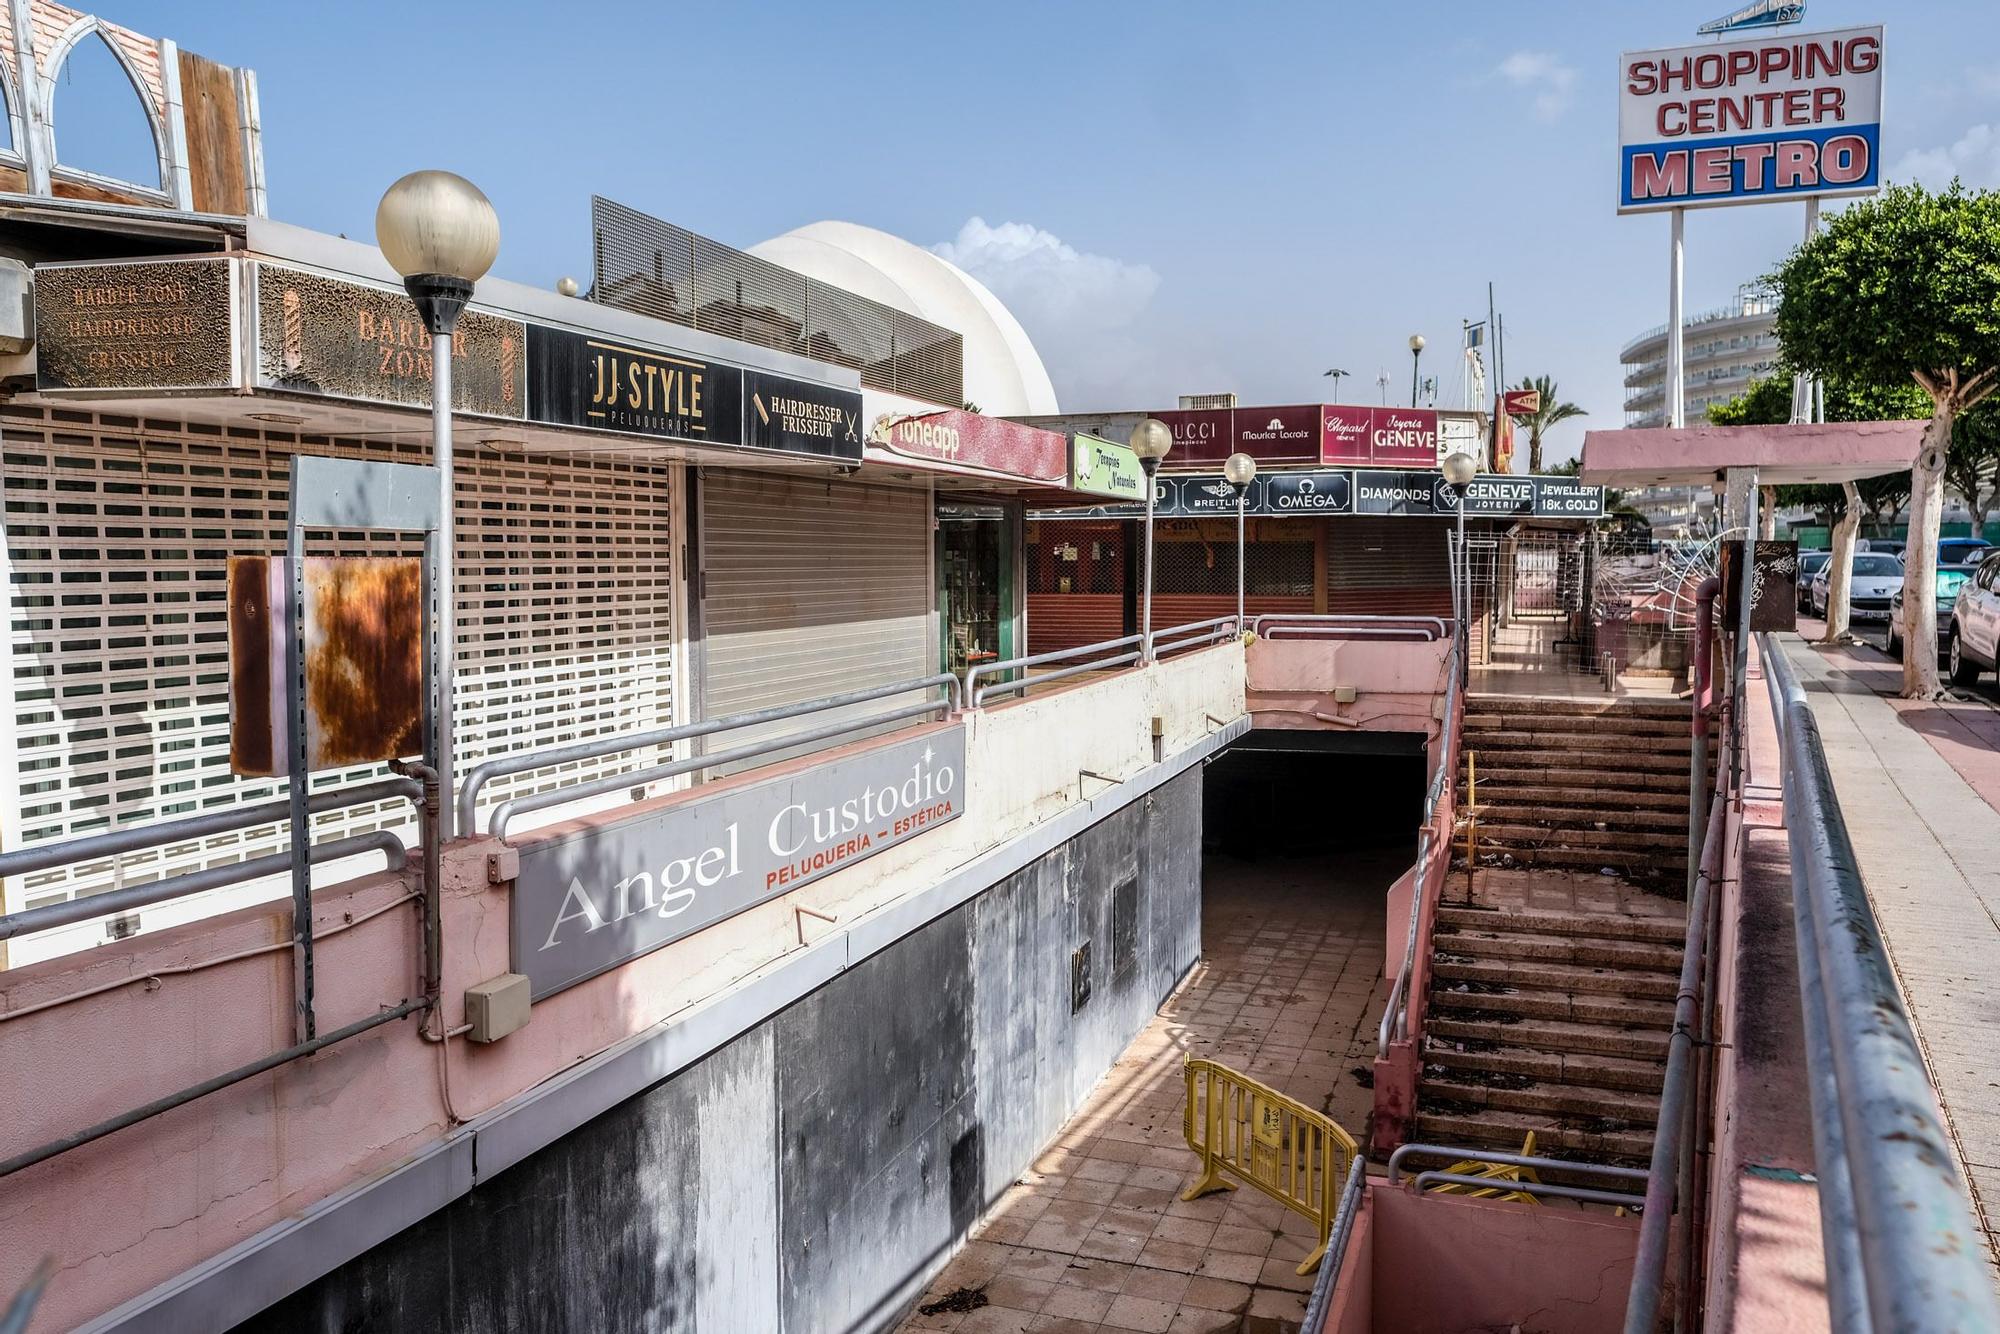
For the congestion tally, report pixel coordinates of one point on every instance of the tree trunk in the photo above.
(1920, 669)
(1975, 505)
(1767, 514)
(1535, 449)
(1840, 578)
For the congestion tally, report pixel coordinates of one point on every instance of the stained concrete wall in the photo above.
(814, 1173)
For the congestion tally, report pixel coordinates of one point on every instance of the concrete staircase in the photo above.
(1551, 1019)
(1581, 784)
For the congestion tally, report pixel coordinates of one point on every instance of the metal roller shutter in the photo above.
(810, 587)
(117, 541)
(1388, 566)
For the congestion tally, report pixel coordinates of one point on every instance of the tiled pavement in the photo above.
(1096, 1237)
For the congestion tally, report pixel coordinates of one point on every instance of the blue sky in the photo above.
(1173, 198)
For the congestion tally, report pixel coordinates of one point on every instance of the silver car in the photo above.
(1876, 577)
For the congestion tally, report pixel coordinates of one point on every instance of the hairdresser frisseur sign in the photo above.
(590, 900)
(1774, 117)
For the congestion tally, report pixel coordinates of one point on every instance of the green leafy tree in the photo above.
(1904, 288)
(1538, 422)
(1974, 460)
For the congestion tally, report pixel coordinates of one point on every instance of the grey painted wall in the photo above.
(813, 1174)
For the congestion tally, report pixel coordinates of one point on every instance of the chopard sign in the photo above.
(588, 901)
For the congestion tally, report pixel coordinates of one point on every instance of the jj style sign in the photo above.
(1751, 121)
(591, 900)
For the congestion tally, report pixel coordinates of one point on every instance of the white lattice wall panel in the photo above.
(118, 534)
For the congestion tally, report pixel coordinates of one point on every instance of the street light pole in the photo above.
(1338, 376)
(1459, 470)
(1416, 358)
(441, 234)
(1239, 472)
(1151, 441)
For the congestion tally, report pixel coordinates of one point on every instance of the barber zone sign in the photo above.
(1774, 117)
(590, 900)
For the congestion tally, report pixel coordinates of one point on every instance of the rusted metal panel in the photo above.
(364, 677)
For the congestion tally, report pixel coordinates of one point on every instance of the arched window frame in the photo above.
(59, 54)
(15, 152)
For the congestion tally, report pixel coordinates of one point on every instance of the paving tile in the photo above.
(1215, 1294)
(1130, 1311)
(1099, 1275)
(1078, 1303)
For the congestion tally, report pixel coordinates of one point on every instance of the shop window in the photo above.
(98, 117)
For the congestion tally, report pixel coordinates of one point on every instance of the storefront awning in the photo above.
(1782, 455)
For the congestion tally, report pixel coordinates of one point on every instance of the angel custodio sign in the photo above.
(593, 899)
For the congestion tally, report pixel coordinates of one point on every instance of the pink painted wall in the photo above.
(1441, 1264)
(134, 1209)
(1397, 685)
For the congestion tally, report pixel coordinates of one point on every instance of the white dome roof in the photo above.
(1003, 372)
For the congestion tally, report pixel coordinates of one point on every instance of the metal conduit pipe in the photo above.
(1924, 1262)
(1649, 1265)
(206, 1087)
(468, 793)
(1847, 1284)
(507, 810)
(41, 857)
(53, 915)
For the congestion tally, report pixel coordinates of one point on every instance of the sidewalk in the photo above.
(1096, 1239)
(1919, 787)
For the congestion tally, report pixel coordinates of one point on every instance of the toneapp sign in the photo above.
(1384, 437)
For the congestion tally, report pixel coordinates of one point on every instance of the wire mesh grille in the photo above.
(652, 267)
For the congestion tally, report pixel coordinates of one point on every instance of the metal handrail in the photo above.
(1333, 623)
(1458, 1152)
(1336, 1247)
(1923, 1265)
(1198, 634)
(1395, 1015)
(71, 911)
(47, 856)
(528, 760)
(975, 696)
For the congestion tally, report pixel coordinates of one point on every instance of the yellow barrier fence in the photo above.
(1297, 1156)
(1479, 1167)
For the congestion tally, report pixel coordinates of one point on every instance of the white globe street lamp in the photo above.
(1239, 472)
(441, 234)
(1152, 440)
(1416, 356)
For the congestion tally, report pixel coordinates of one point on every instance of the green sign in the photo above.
(1104, 468)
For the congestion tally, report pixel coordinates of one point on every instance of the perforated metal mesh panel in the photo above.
(652, 267)
(118, 536)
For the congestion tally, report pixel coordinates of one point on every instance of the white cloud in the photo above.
(1974, 158)
(1545, 75)
(1081, 310)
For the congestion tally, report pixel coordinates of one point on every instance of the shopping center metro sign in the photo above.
(1752, 121)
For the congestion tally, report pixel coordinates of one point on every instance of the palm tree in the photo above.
(1539, 421)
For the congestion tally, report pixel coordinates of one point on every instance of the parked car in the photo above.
(1876, 576)
(1888, 546)
(1962, 550)
(1810, 564)
(1974, 642)
(1950, 578)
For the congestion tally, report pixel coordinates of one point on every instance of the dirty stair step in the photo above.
(1505, 810)
(1552, 1134)
(1661, 929)
(1582, 743)
(1663, 868)
(1548, 1067)
(1482, 722)
(1521, 1094)
(1552, 1035)
(1567, 773)
(1539, 976)
(1635, 955)
(1639, 840)
(1616, 1012)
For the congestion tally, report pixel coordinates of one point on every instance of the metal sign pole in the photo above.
(1676, 389)
(305, 1026)
(444, 591)
(1802, 384)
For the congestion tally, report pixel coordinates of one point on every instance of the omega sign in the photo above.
(590, 900)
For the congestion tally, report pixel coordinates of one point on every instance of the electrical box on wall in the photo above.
(1079, 978)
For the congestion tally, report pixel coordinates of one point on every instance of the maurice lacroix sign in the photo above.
(590, 900)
